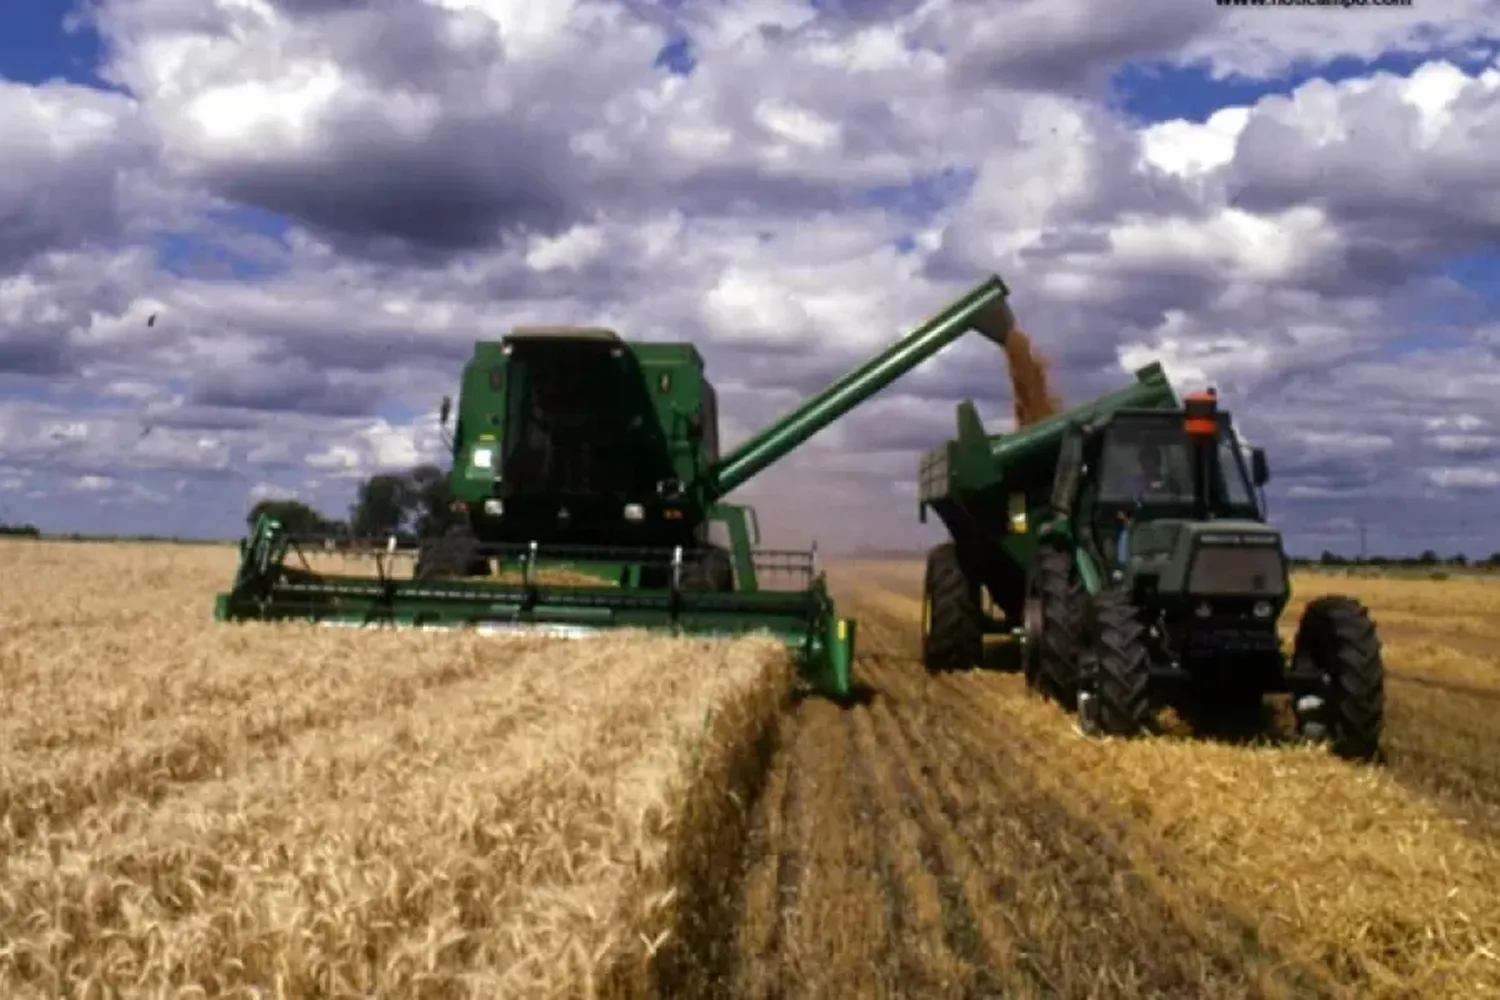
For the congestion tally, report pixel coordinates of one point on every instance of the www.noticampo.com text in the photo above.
(1345, 4)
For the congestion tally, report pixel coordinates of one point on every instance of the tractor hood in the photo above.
(1210, 559)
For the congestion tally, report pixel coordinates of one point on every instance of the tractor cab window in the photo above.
(1146, 462)
(1236, 482)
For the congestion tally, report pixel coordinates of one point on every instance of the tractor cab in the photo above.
(1175, 506)
(1173, 463)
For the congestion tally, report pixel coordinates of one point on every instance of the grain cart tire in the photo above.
(952, 617)
(1054, 627)
(1122, 664)
(1337, 638)
(454, 554)
(713, 572)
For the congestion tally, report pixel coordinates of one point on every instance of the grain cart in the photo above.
(1126, 545)
(573, 448)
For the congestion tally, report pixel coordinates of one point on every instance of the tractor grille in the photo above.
(1223, 569)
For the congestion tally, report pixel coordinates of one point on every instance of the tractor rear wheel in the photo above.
(454, 554)
(1123, 665)
(1336, 637)
(952, 616)
(1054, 627)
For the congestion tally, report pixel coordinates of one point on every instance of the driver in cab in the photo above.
(1147, 479)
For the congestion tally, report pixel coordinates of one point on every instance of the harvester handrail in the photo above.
(812, 415)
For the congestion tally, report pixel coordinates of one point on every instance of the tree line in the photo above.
(410, 505)
(1428, 559)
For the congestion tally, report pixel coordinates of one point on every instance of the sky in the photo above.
(324, 203)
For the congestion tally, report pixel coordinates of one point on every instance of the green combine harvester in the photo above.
(573, 449)
(1125, 545)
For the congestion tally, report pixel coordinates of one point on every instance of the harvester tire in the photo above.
(1123, 665)
(454, 554)
(1055, 620)
(952, 615)
(713, 573)
(1337, 638)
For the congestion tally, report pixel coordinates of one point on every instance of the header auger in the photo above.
(573, 449)
(1125, 543)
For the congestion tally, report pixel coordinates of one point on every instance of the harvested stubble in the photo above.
(957, 837)
(191, 809)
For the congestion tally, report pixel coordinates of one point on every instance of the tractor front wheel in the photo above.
(454, 554)
(952, 617)
(1337, 639)
(1123, 666)
(1054, 627)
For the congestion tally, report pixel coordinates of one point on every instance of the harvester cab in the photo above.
(1126, 543)
(586, 474)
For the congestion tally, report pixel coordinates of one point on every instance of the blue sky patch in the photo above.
(1159, 92)
(677, 56)
(40, 41)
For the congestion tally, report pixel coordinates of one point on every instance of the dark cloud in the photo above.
(25, 353)
(1061, 46)
(63, 148)
(459, 190)
(285, 387)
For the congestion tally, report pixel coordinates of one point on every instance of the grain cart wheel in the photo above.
(1337, 639)
(1054, 627)
(952, 618)
(455, 554)
(1124, 677)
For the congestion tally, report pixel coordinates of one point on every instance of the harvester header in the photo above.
(575, 450)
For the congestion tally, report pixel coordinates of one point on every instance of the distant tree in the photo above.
(1428, 558)
(20, 530)
(417, 502)
(381, 507)
(1330, 559)
(431, 501)
(295, 516)
(1458, 560)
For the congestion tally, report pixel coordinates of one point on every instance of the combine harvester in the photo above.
(575, 450)
(1126, 544)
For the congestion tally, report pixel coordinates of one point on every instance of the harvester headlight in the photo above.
(1263, 609)
(635, 512)
(494, 508)
(1203, 610)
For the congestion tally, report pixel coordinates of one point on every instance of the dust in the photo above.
(1030, 383)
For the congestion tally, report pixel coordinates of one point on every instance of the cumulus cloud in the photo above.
(254, 271)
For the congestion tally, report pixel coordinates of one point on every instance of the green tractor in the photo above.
(574, 449)
(1126, 546)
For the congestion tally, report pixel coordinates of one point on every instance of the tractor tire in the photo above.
(1055, 628)
(1122, 664)
(1337, 638)
(952, 616)
(714, 572)
(454, 554)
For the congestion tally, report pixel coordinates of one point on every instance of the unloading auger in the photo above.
(573, 448)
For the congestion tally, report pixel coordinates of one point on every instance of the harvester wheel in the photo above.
(1124, 676)
(952, 616)
(714, 573)
(454, 554)
(1054, 627)
(1336, 637)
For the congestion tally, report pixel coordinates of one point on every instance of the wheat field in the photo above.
(190, 809)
